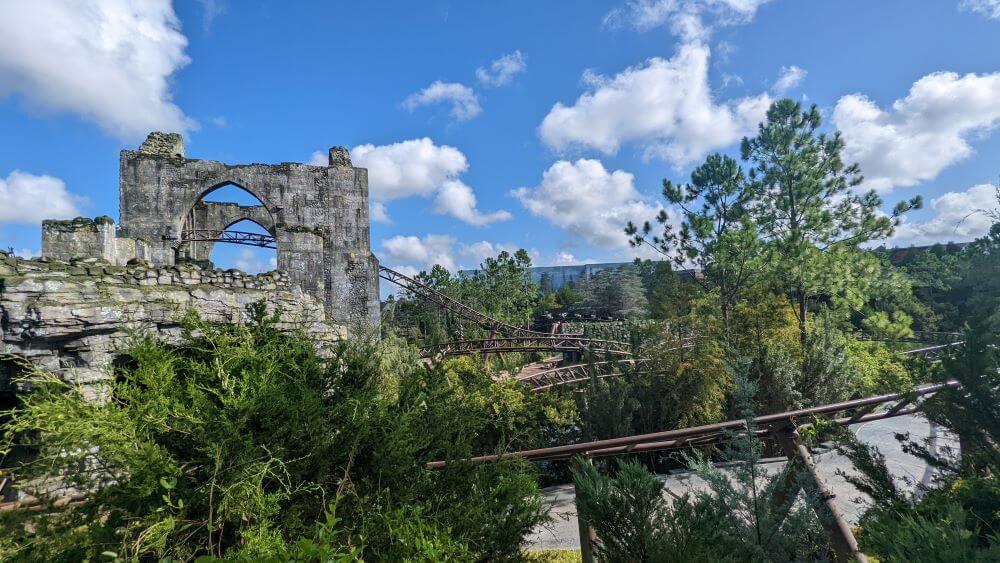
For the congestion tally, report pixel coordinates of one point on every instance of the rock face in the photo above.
(71, 317)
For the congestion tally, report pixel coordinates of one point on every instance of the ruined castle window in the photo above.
(250, 259)
(231, 193)
(226, 216)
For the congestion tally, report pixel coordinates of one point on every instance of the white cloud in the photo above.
(27, 253)
(210, 9)
(665, 105)
(421, 253)
(252, 261)
(588, 202)
(26, 198)
(564, 258)
(986, 8)
(463, 100)
(502, 70)
(110, 61)
(683, 16)
(476, 253)
(921, 134)
(408, 168)
(419, 167)
(788, 78)
(379, 213)
(455, 198)
(415, 254)
(958, 216)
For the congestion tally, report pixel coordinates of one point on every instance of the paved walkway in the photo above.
(562, 533)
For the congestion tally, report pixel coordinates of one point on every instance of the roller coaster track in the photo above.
(544, 343)
(785, 428)
(844, 413)
(581, 372)
(455, 306)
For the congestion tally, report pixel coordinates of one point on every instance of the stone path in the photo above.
(562, 532)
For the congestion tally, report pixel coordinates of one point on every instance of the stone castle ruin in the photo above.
(70, 310)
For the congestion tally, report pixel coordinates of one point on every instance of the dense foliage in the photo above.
(739, 516)
(241, 440)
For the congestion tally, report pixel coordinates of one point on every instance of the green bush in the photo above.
(877, 369)
(233, 442)
(739, 517)
(932, 531)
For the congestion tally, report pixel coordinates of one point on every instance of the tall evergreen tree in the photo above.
(716, 235)
(805, 202)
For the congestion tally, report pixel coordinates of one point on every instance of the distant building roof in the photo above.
(570, 274)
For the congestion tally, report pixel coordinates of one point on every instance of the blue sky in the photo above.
(490, 125)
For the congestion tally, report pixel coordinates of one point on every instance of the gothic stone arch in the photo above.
(218, 216)
(318, 215)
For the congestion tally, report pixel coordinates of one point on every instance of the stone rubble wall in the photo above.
(90, 238)
(72, 317)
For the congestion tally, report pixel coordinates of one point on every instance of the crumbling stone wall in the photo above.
(89, 238)
(320, 216)
(71, 317)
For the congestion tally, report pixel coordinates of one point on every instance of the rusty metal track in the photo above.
(577, 373)
(453, 305)
(934, 352)
(919, 336)
(837, 413)
(234, 237)
(544, 343)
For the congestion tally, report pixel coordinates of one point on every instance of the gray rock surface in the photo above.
(71, 317)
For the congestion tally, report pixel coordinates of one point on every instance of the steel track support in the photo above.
(845, 545)
(588, 537)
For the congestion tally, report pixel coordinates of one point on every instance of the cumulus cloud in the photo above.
(109, 61)
(788, 78)
(957, 217)
(563, 258)
(254, 261)
(685, 17)
(986, 8)
(472, 255)
(415, 254)
(502, 70)
(463, 100)
(665, 105)
(378, 213)
(588, 202)
(421, 253)
(418, 167)
(920, 134)
(27, 253)
(455, 198)
(26, 198)
(408, 168)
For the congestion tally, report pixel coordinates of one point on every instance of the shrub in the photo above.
(740, 517)
(877, 369)
(233, 442)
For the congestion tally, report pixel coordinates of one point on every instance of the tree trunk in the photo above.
(802, 313)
